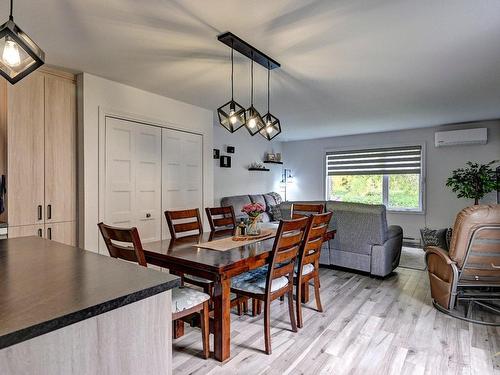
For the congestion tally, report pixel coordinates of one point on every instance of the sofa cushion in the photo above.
(275, 213)
(359, 226)
(237, 201)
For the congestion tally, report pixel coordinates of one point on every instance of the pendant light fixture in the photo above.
(19, 54)
(232, 115)
(273, 126)
(254, 123)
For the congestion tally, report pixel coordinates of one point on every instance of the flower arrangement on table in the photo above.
(254, 212)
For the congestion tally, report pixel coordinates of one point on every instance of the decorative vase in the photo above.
(254, 225)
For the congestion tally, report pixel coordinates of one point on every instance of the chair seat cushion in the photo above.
(255, 282)
(198, 279)
(306, 269)
(184, 298)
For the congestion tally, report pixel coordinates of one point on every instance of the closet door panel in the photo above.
(119, 177)
(60, 149)
(26, 231)
(62, 232)
(148, 182)
(25, 151)
(182, 172)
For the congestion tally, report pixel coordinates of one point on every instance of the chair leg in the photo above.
(245, 305)
(205, 329)
(256, 307)
(316, 292)
(305, 292)
(267, 326)
(298, 301)
(290, 309)
(239, 308)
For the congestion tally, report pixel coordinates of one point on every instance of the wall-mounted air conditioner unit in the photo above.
(461, 137)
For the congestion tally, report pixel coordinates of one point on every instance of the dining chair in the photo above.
(184, 223)
(308, 261)
(125, 243)
(300, 210)
(221, 218)
(275, 279)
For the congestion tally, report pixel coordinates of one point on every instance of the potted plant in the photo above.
(474, 181)
(254, 212)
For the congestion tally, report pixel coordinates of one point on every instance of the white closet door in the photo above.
(182, 172)
(133, 182)
(148, 182)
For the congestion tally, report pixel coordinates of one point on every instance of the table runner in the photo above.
(228, 243)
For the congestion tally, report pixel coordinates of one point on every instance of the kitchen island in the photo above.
(64, 310)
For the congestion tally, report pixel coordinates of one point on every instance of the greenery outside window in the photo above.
(389, 176)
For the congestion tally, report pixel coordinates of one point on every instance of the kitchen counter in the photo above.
(46, 286)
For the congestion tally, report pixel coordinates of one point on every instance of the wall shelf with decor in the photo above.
(272, 162)
(259, 169)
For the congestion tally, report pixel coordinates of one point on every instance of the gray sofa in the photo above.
(363, 240)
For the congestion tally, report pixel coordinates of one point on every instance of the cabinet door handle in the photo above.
(49, 233)
(39, 232)
(148, 215)
(40, 212)
(49, 211)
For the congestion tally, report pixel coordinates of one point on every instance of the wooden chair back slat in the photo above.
(313, 240)
(287, 244)
(300, 210)
(177, 229)
(129, 247)
(221, 217)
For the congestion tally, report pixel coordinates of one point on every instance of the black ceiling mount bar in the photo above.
(248, 50)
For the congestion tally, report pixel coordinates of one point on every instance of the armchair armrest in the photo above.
(394, 231)
(442, 271)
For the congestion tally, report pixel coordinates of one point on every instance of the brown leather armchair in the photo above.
(470, 270)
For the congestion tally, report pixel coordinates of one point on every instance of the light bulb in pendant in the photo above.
(252, 123)
(269, 129)
(10, 54)
(232, 117)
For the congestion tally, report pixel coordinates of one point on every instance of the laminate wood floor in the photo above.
(369, 326)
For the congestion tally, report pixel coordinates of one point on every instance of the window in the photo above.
(390, 176)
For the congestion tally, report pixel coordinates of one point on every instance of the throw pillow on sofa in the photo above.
(275, 213)
(434, 237)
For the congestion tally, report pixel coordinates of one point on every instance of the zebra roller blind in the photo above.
(393, 160)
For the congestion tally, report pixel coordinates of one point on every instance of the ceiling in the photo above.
(348, 66)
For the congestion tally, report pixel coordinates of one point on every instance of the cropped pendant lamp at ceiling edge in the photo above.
(273, 125)
(232, 115)
(21, 55)
(254, 123)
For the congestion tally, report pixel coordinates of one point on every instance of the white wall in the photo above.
(306, 159)
(96, 96)
(238, 179)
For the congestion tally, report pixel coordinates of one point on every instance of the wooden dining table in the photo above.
(183, 256)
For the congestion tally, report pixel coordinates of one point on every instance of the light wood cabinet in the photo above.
(41, 155)
(61, 232)
(25, 150)
(60, 150)
(26, 231)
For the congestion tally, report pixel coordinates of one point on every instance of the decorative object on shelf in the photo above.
(253, 121)
(216, 153)
(286, 178)
(230, 149)
(20, 54)
(254, 212)
(273, 126)
(474, 181)
(270, 157)
(278, 156)
(232, 115)
(257, 165)
(225, 161)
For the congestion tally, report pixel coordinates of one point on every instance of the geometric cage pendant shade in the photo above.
(19, 54)
(272, 127)
(231, 116)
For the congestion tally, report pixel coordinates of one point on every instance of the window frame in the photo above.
(385, 178)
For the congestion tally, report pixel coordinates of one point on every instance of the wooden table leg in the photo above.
(305, 292)
(222, 319)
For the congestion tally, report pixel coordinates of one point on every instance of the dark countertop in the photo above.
(45, 285)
